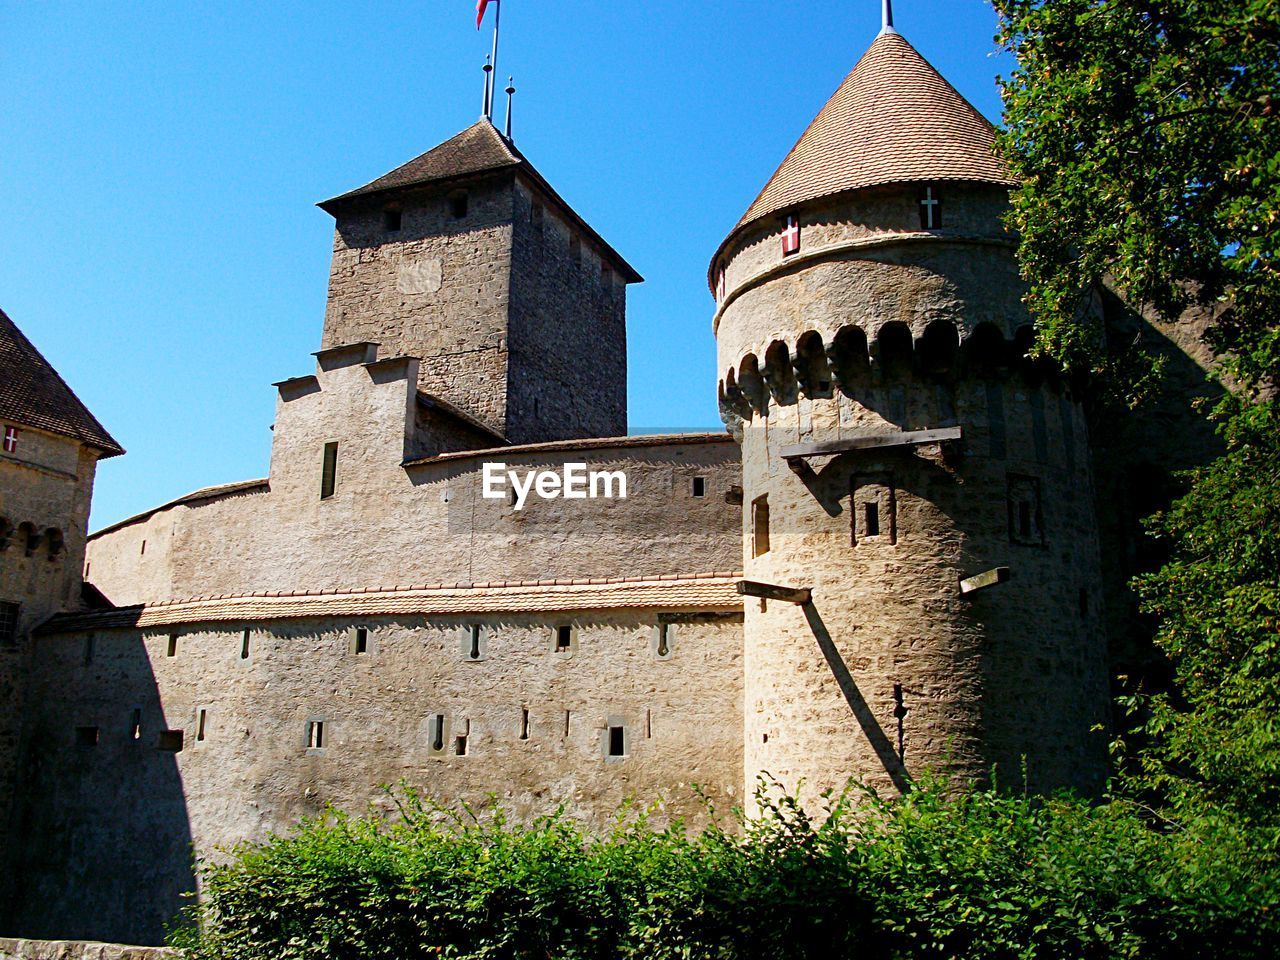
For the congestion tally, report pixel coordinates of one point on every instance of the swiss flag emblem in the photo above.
(791, 236)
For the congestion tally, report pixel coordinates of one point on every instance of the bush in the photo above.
(937, 874)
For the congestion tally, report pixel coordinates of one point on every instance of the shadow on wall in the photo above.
(104, 841)
(885, 749)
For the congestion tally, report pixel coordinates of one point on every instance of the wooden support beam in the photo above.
(899, 438)
(770, 591)
(988, 578)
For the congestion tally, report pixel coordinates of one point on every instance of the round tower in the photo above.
(905, 461)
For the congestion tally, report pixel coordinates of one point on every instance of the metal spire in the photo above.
(511, 92)
(886, 25)
(488, 73)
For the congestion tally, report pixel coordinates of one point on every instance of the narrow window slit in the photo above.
(200, 720)
(617, 741)
(362, 639)
(871, 519)
(135, 724)
(244, 644)
(475, 642)
(315, 734)
(524, 723)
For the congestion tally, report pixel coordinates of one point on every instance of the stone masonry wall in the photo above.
(77, 950)
(874, 327)
(107, 842)
(390, 525)
(46, 483)
(437, 289)
(568, 367)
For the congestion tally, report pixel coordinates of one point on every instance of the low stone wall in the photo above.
(78, 950)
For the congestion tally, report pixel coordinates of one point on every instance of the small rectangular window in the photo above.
(86, 736)
(575, 249)
(244, 644)
(699, 486)
(871, 519)
(201, 716)
(1026, 522)
(617, 741)
(90, 642)
(524, 723)
(564, 638)
(873, 508)
(473, 642)
(460, 746)
(362, 640)
(392, 219)
(173, 645)
(760, 526)
(9, 623)
(437, 732)
(315, 734)
(329, 471)
(535, 216)
(170, 740)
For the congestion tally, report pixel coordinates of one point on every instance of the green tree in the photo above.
(1147, 142)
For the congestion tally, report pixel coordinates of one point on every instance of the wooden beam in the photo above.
(770, 591)
(870, 441)
(988, 578)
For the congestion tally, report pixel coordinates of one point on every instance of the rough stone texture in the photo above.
(110, 857)
(46, 484)
(510, 323)
(888, 636)
(78, 950)
(389, 525)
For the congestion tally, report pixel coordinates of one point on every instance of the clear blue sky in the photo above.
(162, 160)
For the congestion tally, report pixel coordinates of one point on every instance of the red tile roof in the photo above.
(894, 119)
(32, 394)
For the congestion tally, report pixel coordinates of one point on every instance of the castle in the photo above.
(905, 551)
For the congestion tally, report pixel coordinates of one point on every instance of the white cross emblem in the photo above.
(930, 204)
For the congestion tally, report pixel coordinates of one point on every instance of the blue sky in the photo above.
(162, 160)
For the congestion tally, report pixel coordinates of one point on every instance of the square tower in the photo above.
(466, 258)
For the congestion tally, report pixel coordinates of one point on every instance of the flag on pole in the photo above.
(480, 7)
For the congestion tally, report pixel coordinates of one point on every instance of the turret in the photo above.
(904, 460)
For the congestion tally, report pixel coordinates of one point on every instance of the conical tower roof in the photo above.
(894, 119)
(32, 394)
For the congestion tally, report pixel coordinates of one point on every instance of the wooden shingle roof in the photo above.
(32, 394)
(894, 119)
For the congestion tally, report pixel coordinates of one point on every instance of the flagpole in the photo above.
(497, 21)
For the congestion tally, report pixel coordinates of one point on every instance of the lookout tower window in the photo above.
(760, 526)
(930, 209)
(564, 638)
(8, 623)
(329, 471)
(875, 508)
(458, 203)
(392, 219)
(1026, 520)
(617, 741)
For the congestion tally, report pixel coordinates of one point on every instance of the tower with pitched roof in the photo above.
(904, 459)
(466, 258)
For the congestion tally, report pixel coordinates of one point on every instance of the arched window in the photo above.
(30, 537)
(6, 533)
(811, 365)
(778, 373)
(894, 350)
(849, 358)
(938, 348)
(984, 350)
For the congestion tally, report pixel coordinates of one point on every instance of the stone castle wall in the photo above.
(874, 328)
(45, 489)
(388, 524)
(109, 858)
(568, 368)
(436, 289)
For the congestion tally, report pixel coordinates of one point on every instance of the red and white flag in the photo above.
(791, 236)
(480, 8)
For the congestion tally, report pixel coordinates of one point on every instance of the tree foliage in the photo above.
(938, 874)
(1147, 139)
(1145, 135)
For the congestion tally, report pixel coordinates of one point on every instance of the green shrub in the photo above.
(936, 874)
